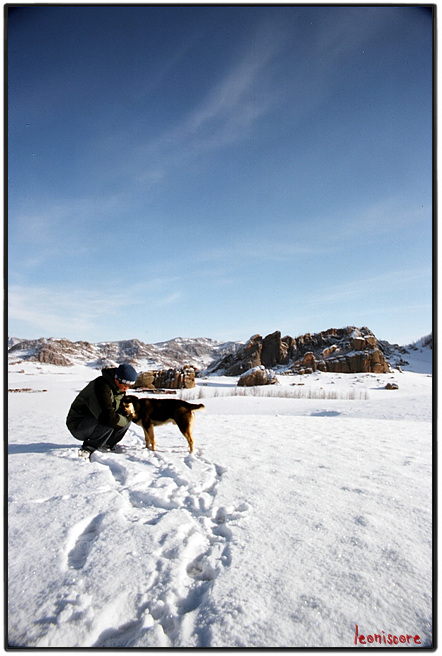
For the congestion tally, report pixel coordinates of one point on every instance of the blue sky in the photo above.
(219, 171)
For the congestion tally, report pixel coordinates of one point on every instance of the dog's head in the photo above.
(129, 405)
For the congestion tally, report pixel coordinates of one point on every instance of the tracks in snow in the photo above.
(164, 523)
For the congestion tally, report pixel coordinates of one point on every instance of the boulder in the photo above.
(257, 376)
(146, 380)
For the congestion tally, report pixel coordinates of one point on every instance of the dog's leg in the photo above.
(188, 436)
(149, 437)
(146, 438)
(185, 425)
(152, 438)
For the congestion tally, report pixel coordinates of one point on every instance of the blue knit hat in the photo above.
(126, 374)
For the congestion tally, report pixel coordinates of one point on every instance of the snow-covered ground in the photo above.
(305, 510)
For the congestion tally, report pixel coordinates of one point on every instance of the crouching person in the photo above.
(93, 417)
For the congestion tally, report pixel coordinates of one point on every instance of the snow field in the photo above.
(293, 521)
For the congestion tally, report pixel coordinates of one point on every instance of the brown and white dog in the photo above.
(155, 412)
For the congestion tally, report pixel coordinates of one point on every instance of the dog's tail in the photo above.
(197, 406)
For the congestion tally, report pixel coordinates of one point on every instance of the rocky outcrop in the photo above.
(344, 350)
(167, 379)
(257, 376)
(353, 350)
(175, 378)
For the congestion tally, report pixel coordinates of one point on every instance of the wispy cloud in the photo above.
(49, 310)
(170, 299)
(41, 219)
(264, 250)
(256, 86)
(340, 226)
(359, 288)
(224, 116)
(47, 227)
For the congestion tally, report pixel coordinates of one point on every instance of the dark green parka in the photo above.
(101, 399)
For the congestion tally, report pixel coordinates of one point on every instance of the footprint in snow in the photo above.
(201, 569)
(118, 471)
(81, 539)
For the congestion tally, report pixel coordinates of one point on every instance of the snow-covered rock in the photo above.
(257, 376)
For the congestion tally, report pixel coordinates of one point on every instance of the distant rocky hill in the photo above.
(342, 350)
(175, 353)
